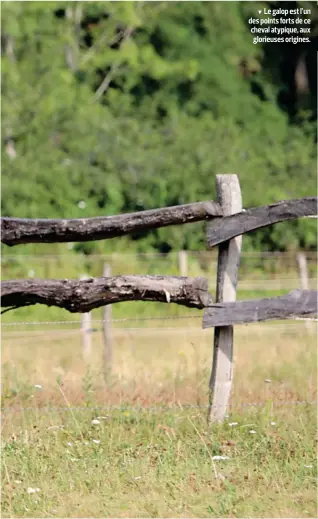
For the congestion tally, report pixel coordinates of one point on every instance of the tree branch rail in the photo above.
(15, 231)
(85, 295)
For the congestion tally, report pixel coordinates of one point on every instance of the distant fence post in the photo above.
(107, 332)
(230, 198)
(183, 263)
(86, 329)
(303, 270)
(304, 281)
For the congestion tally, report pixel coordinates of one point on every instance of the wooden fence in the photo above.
(227, 222)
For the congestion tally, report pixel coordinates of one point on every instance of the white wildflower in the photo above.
(216, 458)
(233, 424)
(267, 380)
(38, 386)
(96, 441)
(138, 477)
(252, 431)
(17, 481)
(31, 490)
(308, 466)
(95, 422)
(273, 423)
(81, 204)
(69, 444)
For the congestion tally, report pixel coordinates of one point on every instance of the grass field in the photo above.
(84, 462)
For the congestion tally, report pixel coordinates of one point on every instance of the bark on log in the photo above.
(298, 303)
(21, 230)
(228, 227)
(83, 296)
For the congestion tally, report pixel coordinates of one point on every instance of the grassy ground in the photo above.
(158, 463)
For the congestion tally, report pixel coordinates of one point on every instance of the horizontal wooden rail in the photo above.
(228, 227)
(85, 295)
(15, 231)
(298, 303)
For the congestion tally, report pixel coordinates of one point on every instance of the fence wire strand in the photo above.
(134, 319)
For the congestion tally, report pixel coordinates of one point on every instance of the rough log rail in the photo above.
(85, 295)
(15, 231)
(248, 220)
(298, 303)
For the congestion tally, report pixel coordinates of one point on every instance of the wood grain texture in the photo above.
(15, 231)
(230, 199)
(298, 303)
(251, 219)
(83, 296)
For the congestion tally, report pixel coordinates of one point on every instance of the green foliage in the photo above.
(132, 105)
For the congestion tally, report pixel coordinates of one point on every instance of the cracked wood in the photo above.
(298, 303)
(85, 295)
(229, 227)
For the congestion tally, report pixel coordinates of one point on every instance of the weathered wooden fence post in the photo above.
(86, 329)
(183, 263)
(230, 198)
(303, 271)
(304, 281)
(107, 332)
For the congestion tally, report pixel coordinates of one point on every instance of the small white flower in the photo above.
(31, 490)
(38, 386)
(273, 423)
(81, 204)
(267, 380)
(95, 422)
(69, 444)
(216, 458)
(233, 424)
(252, 431)
(17, 481)
(96, 441)
(31, 273)
(308, 466)
(138, 477)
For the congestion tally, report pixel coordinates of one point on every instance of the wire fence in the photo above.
(277, 265)
(140, 331)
